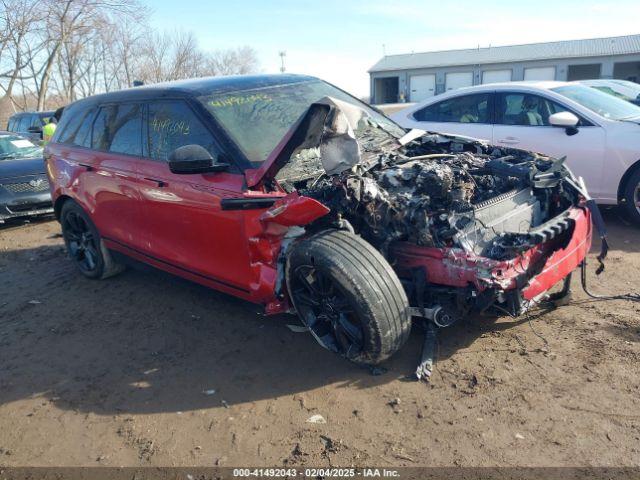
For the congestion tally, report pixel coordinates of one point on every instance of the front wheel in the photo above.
(631, 195)
(348, 296)
(84, 244)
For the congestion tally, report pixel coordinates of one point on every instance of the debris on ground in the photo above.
(317, 418)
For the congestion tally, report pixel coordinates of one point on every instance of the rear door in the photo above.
(522, 121)
(192, 223)
(109, 182)
(468, 115)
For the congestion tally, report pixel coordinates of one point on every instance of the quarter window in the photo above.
(118, 129)
(173, 124)
(465, 109)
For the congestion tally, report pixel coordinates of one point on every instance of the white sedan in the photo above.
(598, 133)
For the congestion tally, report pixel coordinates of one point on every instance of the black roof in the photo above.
(197, 87)
(43, 113)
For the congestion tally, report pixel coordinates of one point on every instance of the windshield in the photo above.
(257, 119)
(605, 105)
(14, 146)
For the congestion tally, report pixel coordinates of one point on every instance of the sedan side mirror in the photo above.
(194, 159)
(566, 120)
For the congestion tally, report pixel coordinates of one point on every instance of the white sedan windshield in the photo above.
(606, 106)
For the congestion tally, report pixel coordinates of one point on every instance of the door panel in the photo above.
(110, 183)
(184, 222)
(522, 121)
(584, 151)
(422, 87)
(186, 226)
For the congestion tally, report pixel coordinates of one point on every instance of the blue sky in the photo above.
(340, 40)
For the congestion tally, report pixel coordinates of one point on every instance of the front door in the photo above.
(522, 121)
(187, 229)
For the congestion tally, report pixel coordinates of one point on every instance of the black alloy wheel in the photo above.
(327, 312)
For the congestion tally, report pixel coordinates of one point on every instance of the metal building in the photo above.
(414, 77)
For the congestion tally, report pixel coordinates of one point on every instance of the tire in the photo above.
(84, 244)
(348, 296)
(631, 197)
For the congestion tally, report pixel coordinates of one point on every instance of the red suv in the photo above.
(286, 191)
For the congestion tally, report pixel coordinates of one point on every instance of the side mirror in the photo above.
(34, 130)
(194, 159)
(566, 120)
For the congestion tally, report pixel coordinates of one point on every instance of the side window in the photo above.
(465, 109)
(118, 128)
(24, 124)
(12, 121)
(77, 131)
(35, 121)
(527, 110)
(173, 124)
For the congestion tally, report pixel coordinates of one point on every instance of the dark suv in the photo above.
(288, 192)
(29, 124)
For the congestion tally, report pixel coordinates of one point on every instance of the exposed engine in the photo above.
(447, 191)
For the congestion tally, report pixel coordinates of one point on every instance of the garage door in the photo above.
(540, 73)
(422, 87)
(495, 76)
(458, 80)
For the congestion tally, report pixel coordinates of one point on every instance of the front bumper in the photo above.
(24, 196)
(524, 279)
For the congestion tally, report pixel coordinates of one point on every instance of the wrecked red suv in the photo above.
(286, 191)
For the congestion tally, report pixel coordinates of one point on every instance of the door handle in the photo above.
(159, 183)
(509, 141)
(88, 168)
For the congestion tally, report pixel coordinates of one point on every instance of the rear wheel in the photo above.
(631, 196)
(84, 244)
(349, 296)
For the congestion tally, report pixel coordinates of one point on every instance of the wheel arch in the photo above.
(57, 206)
(625, 178)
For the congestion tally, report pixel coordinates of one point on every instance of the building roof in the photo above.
(512, 53)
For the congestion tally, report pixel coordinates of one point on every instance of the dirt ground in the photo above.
(122, 372)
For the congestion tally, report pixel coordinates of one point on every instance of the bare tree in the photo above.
(20, 21)
(238, 61)
(56, 51)
(66, 18)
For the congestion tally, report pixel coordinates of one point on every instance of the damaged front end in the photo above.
(468, 227)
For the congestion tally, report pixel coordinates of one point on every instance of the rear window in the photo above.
(118, 129)
(465, 109)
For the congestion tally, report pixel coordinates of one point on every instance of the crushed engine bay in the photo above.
(440, 191)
